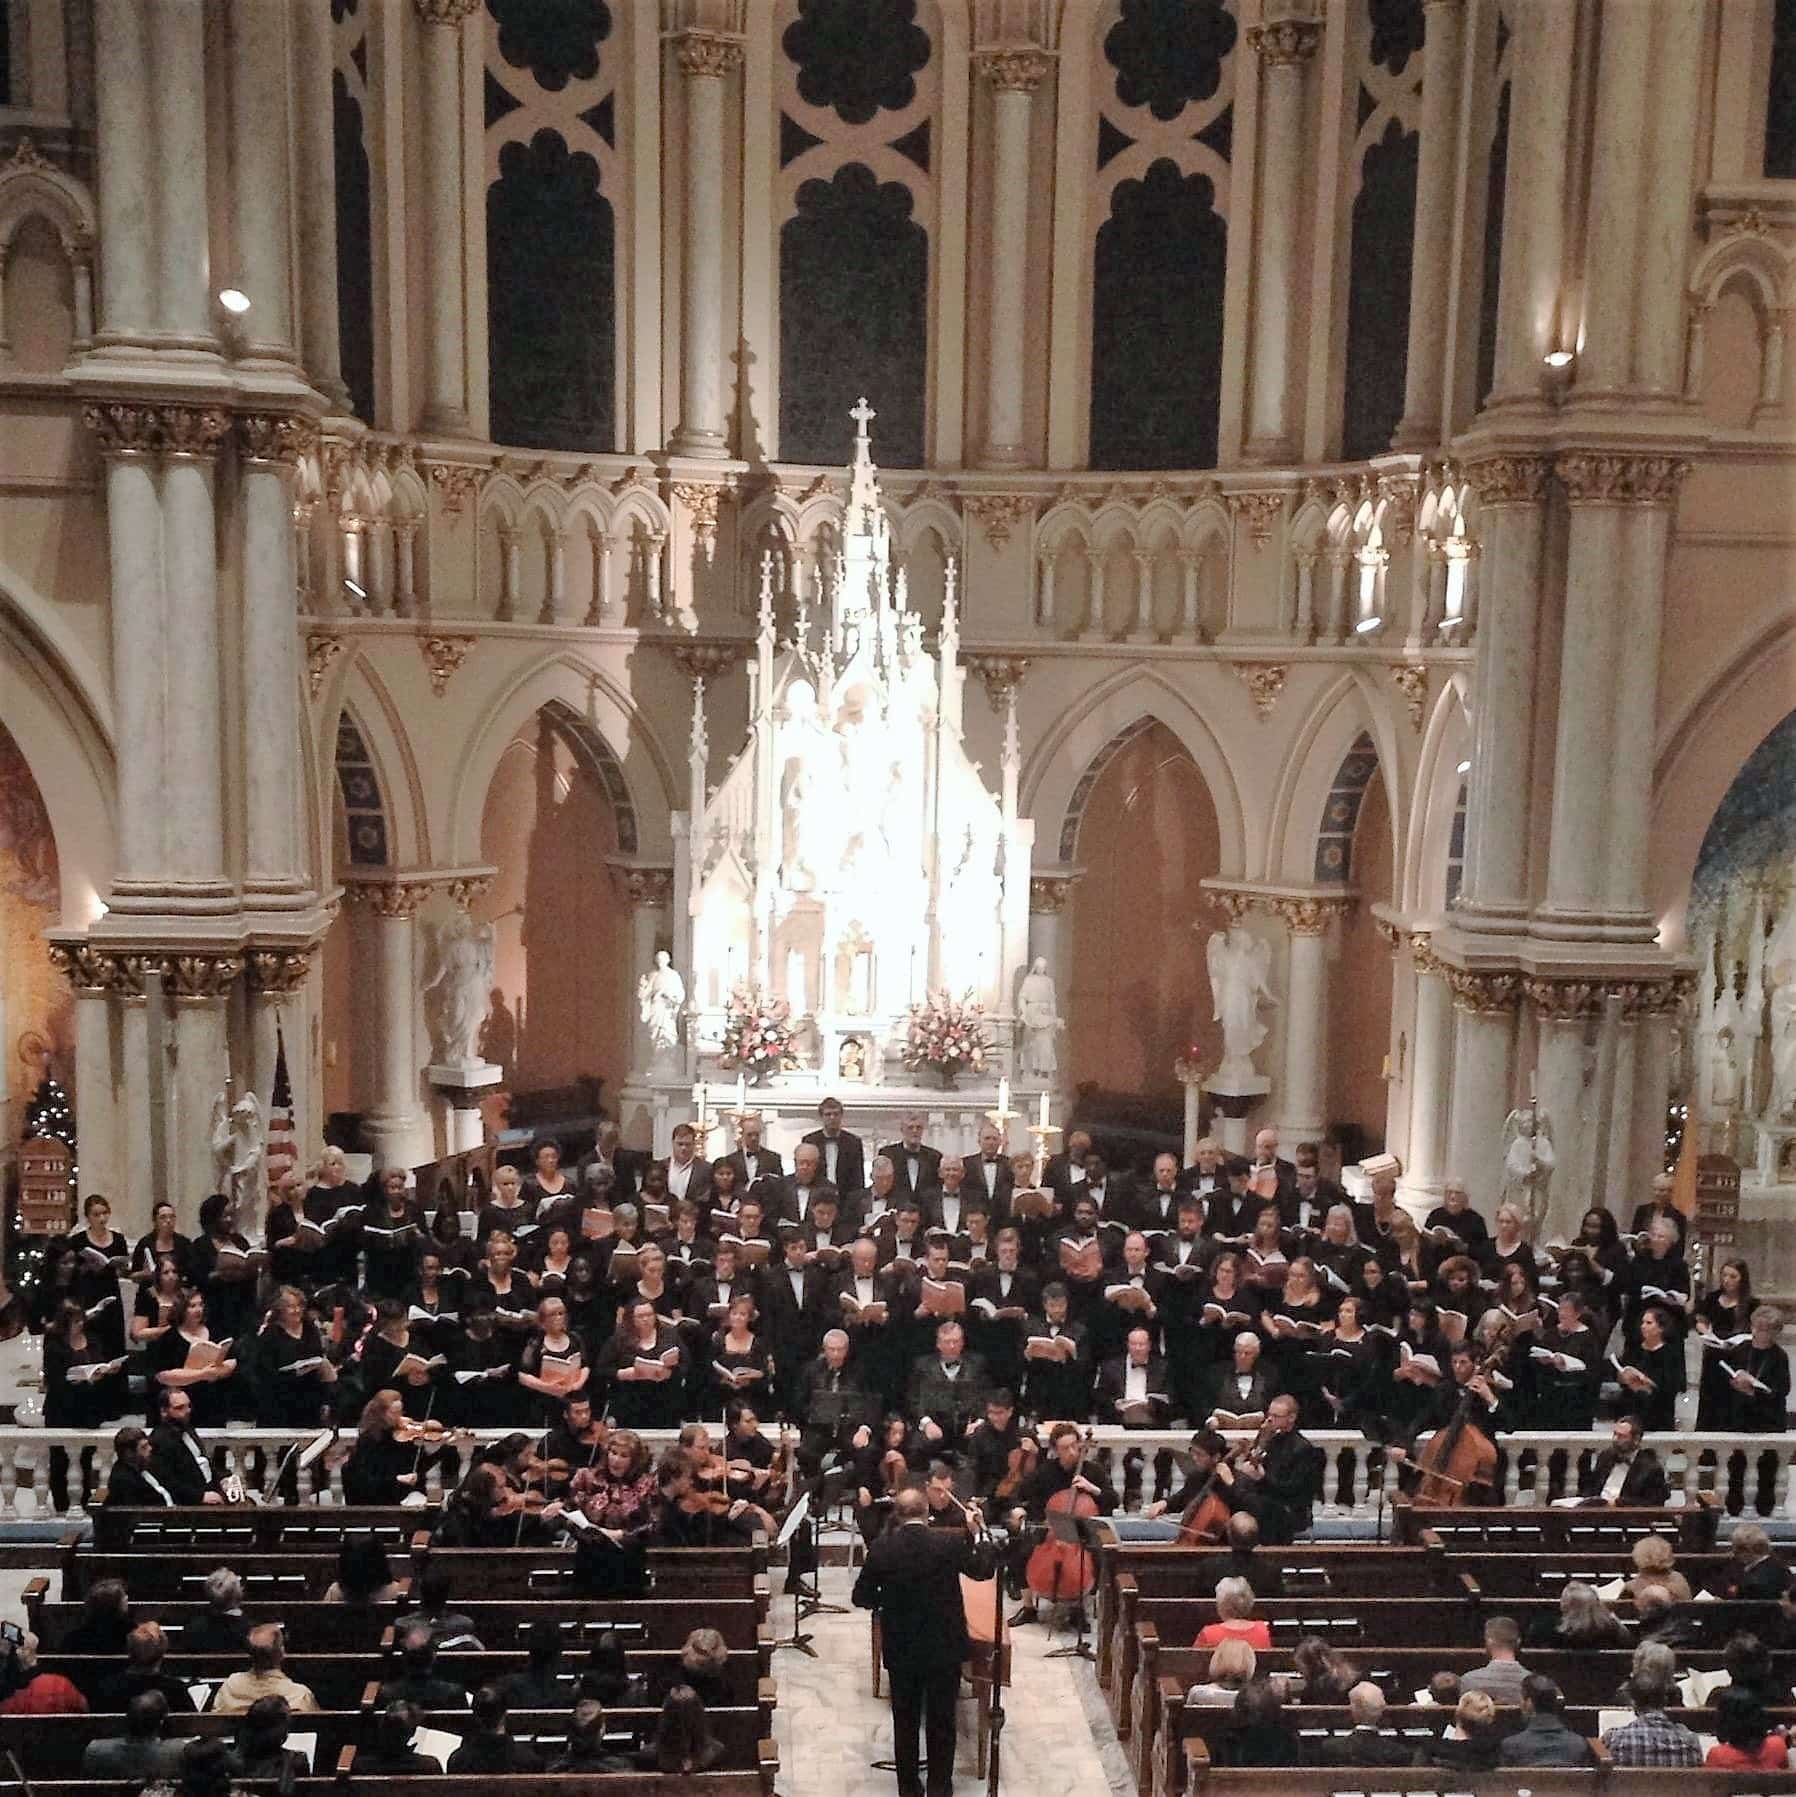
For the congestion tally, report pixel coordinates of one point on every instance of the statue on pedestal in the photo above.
(661, 994)
(237, 1142)
(1038, 1011)
(1239, 963)
(1529, 1160)
(459, 990)
(1783, 1050)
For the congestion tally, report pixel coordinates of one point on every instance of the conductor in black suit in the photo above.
(911, 1578)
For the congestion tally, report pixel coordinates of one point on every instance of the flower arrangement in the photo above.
(757, 1032)
(948, 1034)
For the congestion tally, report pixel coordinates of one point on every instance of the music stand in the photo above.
(795, 1517)
(1072, 1531)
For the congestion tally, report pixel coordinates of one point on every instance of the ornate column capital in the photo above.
(445, 12)
(277, 972)
(1261, 510)
(651, 887)
(1510, 479)
(126, 429)
(92, 973)
(1002, 675)
(1412, 681)
(391, 897)
(701, 499)
(275, 439)
(998, 514)
(705, 661)
(1310, 913)
(1285, 43)
(1601, 477)
(1264, 682)
(465, 889)
(1658, 1001)
(1049, 892)
(200, 977)
(707, 53)
(1012, 68)
(322, 650)
(443, 655)
(1482, 992)
(1564, 1001)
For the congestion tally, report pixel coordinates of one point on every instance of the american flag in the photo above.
(282, 1152)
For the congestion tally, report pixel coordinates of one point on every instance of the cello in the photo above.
(1206, 1517)
(1460, 1460)
(1059, 1571)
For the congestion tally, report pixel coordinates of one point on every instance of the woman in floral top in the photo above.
(620, 1493)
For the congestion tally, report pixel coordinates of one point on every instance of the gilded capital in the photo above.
(1593, 477)
(445, 12)
(199, 978)
(1309, 914)
(704, 661)
(84, 970)
(1285, 43)
(650, 886)
(1012, 68)
(1484, 993)
(707, 53)
(1565, 1001)
(998, 514)
(136, 430)
(1001, 675)
(391, 899)
(465, 890)
(1049, 893)
(1510, 479)
(274, 438)
(1412, 681)
(277, 973)
(1264, 680)
(443, 656)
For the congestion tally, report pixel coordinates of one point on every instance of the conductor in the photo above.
(911, 1578)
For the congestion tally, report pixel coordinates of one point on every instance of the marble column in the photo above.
(197, 989)
(1512, 494)
(1484, 1015)
(127, 161)
(1528, 291)
(1284, 46)
(394, 1123)
(1432, 259)
(183, 246)
(146, 1178)
(1013, 73)
(1303, 1094)
(650, 891)
(268, 446)
(276, 980)
(315, 180)
(705, 61)
(446, 398)
(1431, 1072)
(1563, 1009)
(98, 1090)
(1654, 1015)
(261, 183)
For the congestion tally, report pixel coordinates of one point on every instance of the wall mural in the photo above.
(36, 1007)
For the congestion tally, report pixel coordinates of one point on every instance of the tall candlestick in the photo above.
(1044, 1110)
(1003, 1093)
(741, 1091)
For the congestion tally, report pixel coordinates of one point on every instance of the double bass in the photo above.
(1059, 1571)
(1460, 1461)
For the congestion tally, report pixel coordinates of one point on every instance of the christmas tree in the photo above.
(48, 1114)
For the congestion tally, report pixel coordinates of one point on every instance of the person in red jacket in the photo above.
(34, 1693)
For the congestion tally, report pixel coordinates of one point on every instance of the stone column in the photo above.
(261, 184)
(183, 247)
(1284, 46)
(650, 891)
(1431, 1071)
(1659, 295)
(1303, 1094)
(127, 162)
(1484, 1013)
(1431, 265)
(1654, 1012)
(276, 983)
(92, 978)
(146, 1168)
(1013, 73)
(446, 399)
(705, 61)
(1528, 294)
(197, 988)
(315, 162)
(269, 444)
(394, 1125)
(1562, 1009)
(1512, 492)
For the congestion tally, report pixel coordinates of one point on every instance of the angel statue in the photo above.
(458, 991)
(1528, 1161)
(1239, 962)
(661, 994)
(237, 1149)
(1038, 1011)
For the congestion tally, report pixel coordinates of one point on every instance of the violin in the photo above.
(1019, 1464)
(705, 1503)
(432, 1433)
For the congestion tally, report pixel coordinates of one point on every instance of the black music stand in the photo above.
(1074, 1532)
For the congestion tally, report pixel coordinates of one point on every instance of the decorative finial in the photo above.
(765, 618)
(863, 415)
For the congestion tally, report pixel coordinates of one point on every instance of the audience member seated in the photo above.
(104, 1622)
(586, 1750)
(704, 1660)
(1750, 1668)
(145, 1649)
(1584, 1620)
(1321, 1673)
(142, 1752)
(544, 1683)
(1470, 1742)
(1744, 1740)
(1243, 1558)
(1653, 1557)
(203, 1770)
(683, 1739)
(261, 1750)
(489, 1749)
(1657, 1618)
(448, 1628)
(222, 1626)
(1544, 1738)
(392, 1754)
(267, 1653)
(607, 1677)
(1652, 1738)
(1258, 1734)
(1232, 1666)
(364, 1576)
(1235, 1618)
(1751, 1569)
(29, 1692)
(1502, 1674)
(419, 1681)
(1363, 1744)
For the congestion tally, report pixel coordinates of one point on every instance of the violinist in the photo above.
(577, 1442)
(750, 1459)
(1063, 1468)
(999, 1451)
(691, 1517)
(881, 1471)
(486, 1511)
(382, 1468)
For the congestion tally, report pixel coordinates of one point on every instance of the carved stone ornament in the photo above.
(443, 655)
(388, 898)
(1397, 521)
(1564, 1001)
(1013, 68)
(86, 970)
(322, 652)
(196, 978)
(707, 53)
(1001, 675)
(1234, 905)
(700, 498)
(445, 12)
(1484, 993)
(1285, 42)
(705, 661)
(1264, 680)
(277, 972)
(1593, 477)
(1510, 479)
(456, 482)
(1388, 933)
(156, 430)
(1655, 1001)
(1421, 952)
(26, 154)
(651, 886)
(1309, 914)
(998, 514)
(1261, 510)
(466, 890)
(276, 438)
(1751, 223)
(1049, 893)
(1412, 681)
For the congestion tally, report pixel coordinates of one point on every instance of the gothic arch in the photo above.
(30, 188)
(1422, 884)
(360, 698)
(1108, 710)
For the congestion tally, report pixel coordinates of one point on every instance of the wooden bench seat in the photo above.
(294, 1528)
(1606, 1529)
(756, 1782)
(1546, 1572)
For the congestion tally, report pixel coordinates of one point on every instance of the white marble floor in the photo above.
(830, 1727)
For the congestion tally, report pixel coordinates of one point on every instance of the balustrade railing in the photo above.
(1358, 1479)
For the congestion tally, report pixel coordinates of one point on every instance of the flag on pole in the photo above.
(282, 1152)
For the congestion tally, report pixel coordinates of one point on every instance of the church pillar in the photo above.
(145, 1122)
(196, 990)
(1284, 46)
(1562, 1010)
(261, 185)
(1013, 73)
(446, 398)
(316, 181)
(97, 1090)
(650, 891)
(1303, 1087)
(1431, 1071)
(705, 61)
(1528, 296)
(128, 162)
(1653, 1012)
(1484, 1015)
(1431, 262)
(277, 982)
(184, 313)
(394, 1125)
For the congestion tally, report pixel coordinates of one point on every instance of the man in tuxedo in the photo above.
(178, 1459)
(999, 1286)
(1312, 1197)
(795, 1299)
(911, 1580)
(841, 1156)
(1060, 1387)
(1158, 1206)
(1066, 1170)
(947, 1390)
(805, 1184)
(609, 1152)
(991, 1173)
(1204, 1176)
(879, 1204)
(1234, 1209)
(1109, 1192)
(876, 1341)
(687, 1175)
(916, 1166)
(751, 1160)
(1131, 1389)
(942, 1204)
(1248, 1387)
(1627, 1471)
(1280, 1491)
(131, 1484)
(1266, 1156)
(833, 1401)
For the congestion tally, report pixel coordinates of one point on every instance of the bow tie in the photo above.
(950, 1366)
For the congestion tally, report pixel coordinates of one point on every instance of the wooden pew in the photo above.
(1604, 1528)
(1545, 1573)
(266, 1528)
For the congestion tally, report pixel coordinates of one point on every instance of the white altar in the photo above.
(851, 861)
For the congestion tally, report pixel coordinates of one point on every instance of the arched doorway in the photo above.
(1143, 826)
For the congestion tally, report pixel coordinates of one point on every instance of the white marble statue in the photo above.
(458, 992)
(1038, 1011)
(1783, 1050)
(1239, 963)
(661, 994)
(237, 1142)
(1529, 1160)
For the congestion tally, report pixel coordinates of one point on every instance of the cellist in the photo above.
(1063, 1468)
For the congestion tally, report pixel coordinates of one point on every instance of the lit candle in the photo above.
(1003, 1094)
(741, 1091)
(1044, 1110)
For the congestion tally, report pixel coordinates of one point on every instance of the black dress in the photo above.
(230, 1303)
(646, 1403)
(211, 1398)
(371, 1475)
(390, 1243)
(379, 1372)
(292, 1394)
(145, 1255)
(96, 1286)
(1714, 1395)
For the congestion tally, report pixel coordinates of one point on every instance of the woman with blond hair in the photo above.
(1232, 1664)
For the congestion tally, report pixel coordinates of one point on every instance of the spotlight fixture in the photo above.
(360, 591)
(234, 300)
(1465, 767)
(1558, 358)
(1366, 626)
(1556, 374)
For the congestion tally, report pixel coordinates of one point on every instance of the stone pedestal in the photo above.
(459, 1089)
(1232, 1098)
